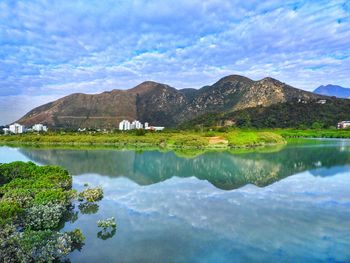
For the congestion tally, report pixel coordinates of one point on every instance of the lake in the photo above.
(286, 204)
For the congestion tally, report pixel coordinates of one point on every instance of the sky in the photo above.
(49, 49)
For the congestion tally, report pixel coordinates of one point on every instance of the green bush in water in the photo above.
(33, 202)
(40, 217)
(37, 246)
(91, 194)
(109, 228)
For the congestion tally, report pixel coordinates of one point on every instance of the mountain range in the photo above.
(333, 90)
(160, 104)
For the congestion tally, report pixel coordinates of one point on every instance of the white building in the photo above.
(322, 101)
(136, 125)
(154, 128)
(124, 125)
(16, 128)
(39, 127)
(6, 130)
(344, 125)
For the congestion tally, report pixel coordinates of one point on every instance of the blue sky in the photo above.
(49, 49)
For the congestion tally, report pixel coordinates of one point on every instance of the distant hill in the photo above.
(160, 104)
(333, 90)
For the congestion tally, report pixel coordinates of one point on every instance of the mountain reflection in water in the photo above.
(222, 169)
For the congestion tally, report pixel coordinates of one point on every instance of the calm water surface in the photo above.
(279, 205)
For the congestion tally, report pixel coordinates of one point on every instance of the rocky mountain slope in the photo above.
(333, 90)
(161, 104)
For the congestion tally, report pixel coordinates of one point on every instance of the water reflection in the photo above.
(106, 234)
(87, 208)
(222, 169)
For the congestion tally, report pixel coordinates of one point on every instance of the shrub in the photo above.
(44, 245)
(34, 200)
(190, 141)
(109, 228)
(54, 196)
(40, 217)
(9, 210)
(106, 223)
(77, 238)
(24, 197)
(10, 171)
(91, 194)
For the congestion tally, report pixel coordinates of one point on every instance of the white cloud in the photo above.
(54, 49)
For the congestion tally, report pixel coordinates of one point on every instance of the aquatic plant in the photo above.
(37, 246)
(40, 217)
(109, 228)
(91, 194)
(33, 201)
(107, 223)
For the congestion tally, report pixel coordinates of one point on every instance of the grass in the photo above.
(313, 133)
(173, 140)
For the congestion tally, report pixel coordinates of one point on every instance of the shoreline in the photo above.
(235, 139)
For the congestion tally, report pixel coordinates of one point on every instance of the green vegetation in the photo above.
(109, 228)
(314, 133)
(91, 195)
(221, 138)
(252, 138)
(33, 203)
(291, 114)
(180, 141)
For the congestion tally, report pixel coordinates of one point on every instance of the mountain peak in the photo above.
(233, 78)
(147, 86)
(270, 80)
(333, 90)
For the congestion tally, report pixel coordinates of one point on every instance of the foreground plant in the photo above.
(33, 203)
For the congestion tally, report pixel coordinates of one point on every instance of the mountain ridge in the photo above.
(333, 90)
(161, 104)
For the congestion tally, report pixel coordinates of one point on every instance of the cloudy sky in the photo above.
(49, 49)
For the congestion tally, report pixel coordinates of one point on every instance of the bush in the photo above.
(91, 194)
(24, 197)
(34, 200)
(9, 210)
(44, 245)
(190, 141)
(107, 223)
(10, 171)
(54, 196)
(109, 228)
(39, 217)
